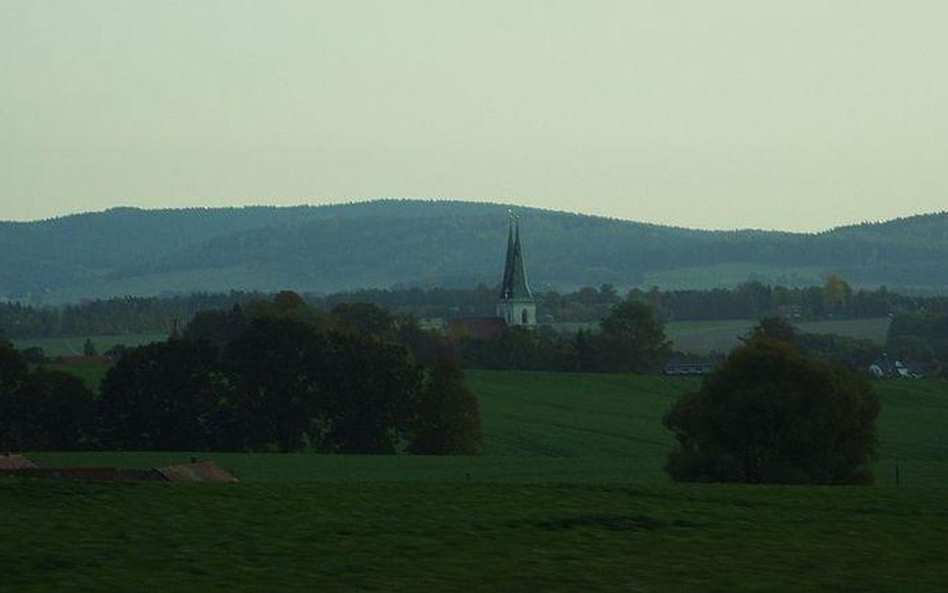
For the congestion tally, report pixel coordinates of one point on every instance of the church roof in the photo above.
(515, 286)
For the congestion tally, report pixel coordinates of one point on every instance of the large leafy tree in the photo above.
(217, 327)
(279, 366)
(62, 410)
(770, 414)
(631, 339)
(447, 419)
(15, 414)
(372, 384)
(166, 395)
(363, 319)
(41, 409)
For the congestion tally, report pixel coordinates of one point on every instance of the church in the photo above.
(515, 307)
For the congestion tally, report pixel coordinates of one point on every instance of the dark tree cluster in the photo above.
(42, 409)
(770, 414)
(630, 339)
(275, 375)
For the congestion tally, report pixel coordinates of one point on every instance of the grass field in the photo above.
(569, 494)
(703, 337)
(566, 427)
(453, 536)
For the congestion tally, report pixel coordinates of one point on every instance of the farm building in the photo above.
(203, 471)
(11, 462)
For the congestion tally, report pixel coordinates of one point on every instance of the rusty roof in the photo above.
(204, 471)
(482, 328)
(10, 461)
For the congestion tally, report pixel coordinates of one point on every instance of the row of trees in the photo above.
(286, 378)
(279, 376)
(630, 339)
(752, 300)
(41, 409)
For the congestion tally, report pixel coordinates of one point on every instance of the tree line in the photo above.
(277, 375)
(753, 300)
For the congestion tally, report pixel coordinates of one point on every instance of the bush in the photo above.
(772, 415)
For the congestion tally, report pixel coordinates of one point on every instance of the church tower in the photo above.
(516, 305)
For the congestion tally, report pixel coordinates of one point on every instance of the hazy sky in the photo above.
(752, 113)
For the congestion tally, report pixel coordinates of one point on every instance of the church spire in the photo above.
(515, 286)
(508, 265)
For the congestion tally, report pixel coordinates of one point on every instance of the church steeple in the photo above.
(508, 265)
(516, 303)
(515, 286)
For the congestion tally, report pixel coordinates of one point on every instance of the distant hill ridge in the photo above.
(415, 242)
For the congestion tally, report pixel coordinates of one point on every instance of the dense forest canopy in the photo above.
(406, 243)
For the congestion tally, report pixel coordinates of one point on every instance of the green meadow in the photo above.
(703, 337)
(568, 494)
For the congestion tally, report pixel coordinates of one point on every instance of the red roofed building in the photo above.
(475, 328)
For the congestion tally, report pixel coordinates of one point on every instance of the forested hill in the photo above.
(127, 251)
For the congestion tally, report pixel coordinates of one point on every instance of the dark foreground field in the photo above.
(569, 494)
(280, 536)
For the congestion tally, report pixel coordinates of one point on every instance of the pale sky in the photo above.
(786, 114)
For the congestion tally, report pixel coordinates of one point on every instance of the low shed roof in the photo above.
(10, 461)
(205, 471)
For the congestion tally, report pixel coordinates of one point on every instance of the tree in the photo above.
(836, 294)
(774, 328)
(216, 327)
(632, 340)
(446, 418)
(43, 409)
(61, 407)
(371, 386)
(280, 368)
(772, 415)
(164, 396)
(287, 305)
(88, 348)
(15, 415)
(362, 319)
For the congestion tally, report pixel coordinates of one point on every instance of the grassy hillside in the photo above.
(383, 243)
